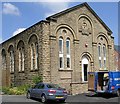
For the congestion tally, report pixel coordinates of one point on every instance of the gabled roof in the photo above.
(79, 6)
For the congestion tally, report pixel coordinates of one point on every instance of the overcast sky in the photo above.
(17, 16)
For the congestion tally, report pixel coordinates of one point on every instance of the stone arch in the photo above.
(88, 55)
(33, 38)
(3, 52)
(101, 34)
(67, 27)
(11, 48)
(33, 51)
(20, 44)
(86, 65)
(85, 19)
(21, 55)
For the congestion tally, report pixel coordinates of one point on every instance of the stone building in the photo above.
(62, 49)
(117, 57)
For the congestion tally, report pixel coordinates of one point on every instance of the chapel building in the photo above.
(62, 49)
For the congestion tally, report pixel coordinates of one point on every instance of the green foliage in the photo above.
(20, 90)
(37, 79)
(16, 90)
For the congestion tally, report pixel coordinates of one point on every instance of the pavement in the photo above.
(77, 99)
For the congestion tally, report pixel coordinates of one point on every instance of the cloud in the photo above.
(9, 8)
(54, 7)
(18, 31)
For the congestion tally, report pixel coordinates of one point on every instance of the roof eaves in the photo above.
(65, 11)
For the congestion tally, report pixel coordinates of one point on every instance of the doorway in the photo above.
(85, 68)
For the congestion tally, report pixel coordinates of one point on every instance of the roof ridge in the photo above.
(77, 6)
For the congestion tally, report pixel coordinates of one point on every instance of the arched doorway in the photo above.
(85, 68)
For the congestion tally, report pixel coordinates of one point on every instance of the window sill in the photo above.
(103, 69)
(84, 82)
(21, 72)
(11, 72)
(34, 70)
(65, 69)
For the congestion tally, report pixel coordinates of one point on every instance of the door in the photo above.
(91, 81)
(85, 67)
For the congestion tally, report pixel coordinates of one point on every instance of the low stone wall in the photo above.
(77, 88)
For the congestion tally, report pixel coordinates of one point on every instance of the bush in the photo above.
(16, 90)
(37, 79)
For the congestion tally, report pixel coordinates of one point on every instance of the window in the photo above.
(41, 86)
(100, 63)
(61, 62)
(32, 57)
(68, 52)
(36, 56)
(105, 64)
(68, 46)
(21, 59)
(61, 52)
(11, 61)
(60, 45)
(104, 55)
(3, 60)
(68, 62)
(99, 54)
(104, 50)
(99, 50)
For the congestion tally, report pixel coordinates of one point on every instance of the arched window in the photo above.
(36, 56)
(104, 50)
(99, 50)
(60, 45)
(33, 42)
(21, 59)
(104, 56)
(68, 52)
(11, 61)
(99, 54)
(61, 52)
(32, 56)
(3, 59)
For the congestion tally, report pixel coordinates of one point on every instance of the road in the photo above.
(80, 99)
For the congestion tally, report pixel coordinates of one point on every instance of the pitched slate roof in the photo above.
(79, 6)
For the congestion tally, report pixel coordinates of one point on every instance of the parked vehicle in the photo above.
(46, 91)
(104, 82)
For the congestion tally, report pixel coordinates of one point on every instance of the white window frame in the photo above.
(61, 53)
(61, 39)
(68, 53)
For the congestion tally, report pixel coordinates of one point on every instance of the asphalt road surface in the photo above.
(76, 99)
